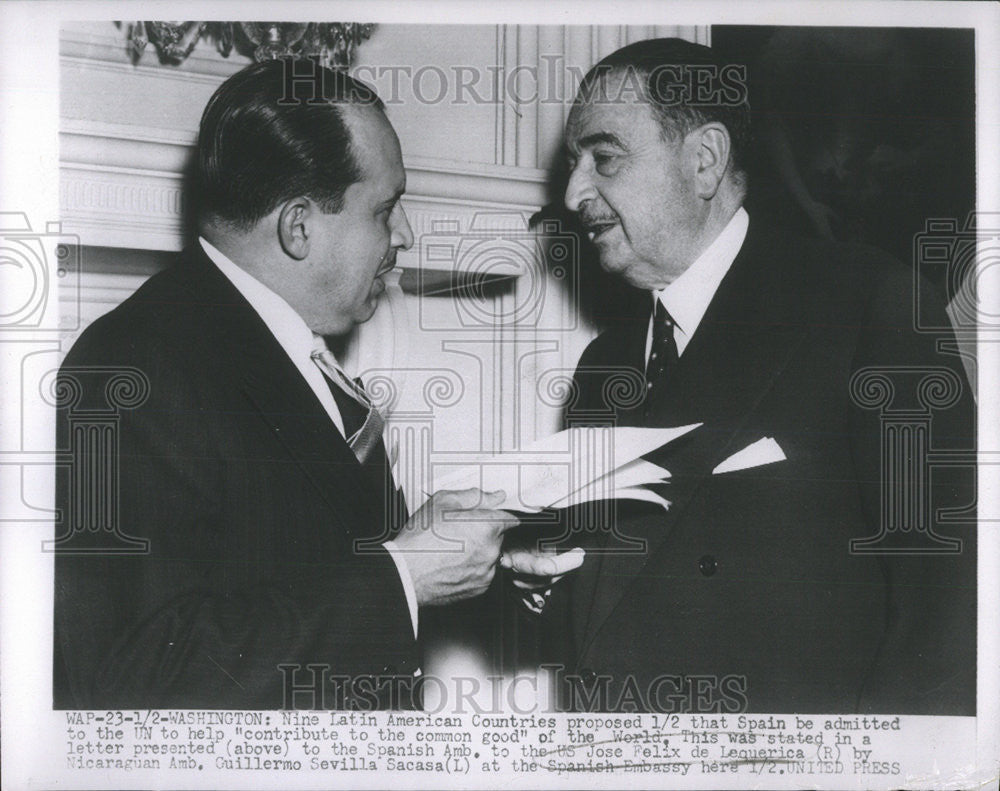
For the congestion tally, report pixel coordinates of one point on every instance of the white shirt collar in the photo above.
(287, 327)
(281, 319)
(688, 297)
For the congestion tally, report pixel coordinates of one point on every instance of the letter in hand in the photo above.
(452, 544)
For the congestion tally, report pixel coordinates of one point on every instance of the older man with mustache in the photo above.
(784, 583)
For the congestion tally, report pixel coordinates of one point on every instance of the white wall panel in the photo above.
(431, 76)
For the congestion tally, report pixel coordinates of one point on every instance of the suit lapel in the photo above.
(280, 396)
(310, 438)
(745, 340)
(626, 344)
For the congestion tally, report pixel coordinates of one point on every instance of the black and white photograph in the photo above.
(562, 395)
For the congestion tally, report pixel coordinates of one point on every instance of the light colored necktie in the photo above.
(368, 436)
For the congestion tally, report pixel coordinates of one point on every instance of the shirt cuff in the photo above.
(404, 575)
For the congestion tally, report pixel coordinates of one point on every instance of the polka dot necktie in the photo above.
(662, 355)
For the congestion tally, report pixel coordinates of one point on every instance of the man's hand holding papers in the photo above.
(578, 465)
(574, 466)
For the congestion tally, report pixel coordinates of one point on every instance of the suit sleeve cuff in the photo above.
(404, 575)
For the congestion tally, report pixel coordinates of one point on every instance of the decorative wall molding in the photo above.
(546, 63)
(122, 186)
(93, 49)
(147, 72)
(527, 132)
(117, 207)
(95, 295)
(122, 175)
(90, 133)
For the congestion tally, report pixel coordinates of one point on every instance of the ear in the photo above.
(712, 149)
(293, 226)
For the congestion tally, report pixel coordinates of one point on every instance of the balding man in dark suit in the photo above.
(279, 567)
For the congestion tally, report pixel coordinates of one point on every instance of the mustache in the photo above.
(591, 220)
(388, 262)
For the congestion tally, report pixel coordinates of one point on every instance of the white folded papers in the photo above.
(577, 465)
(625, 483)
(763, 451)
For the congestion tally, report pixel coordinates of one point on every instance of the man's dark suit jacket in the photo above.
(251, 501)
(750, 574)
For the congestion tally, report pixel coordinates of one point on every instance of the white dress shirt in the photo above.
(298, 341)
(688, 297)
